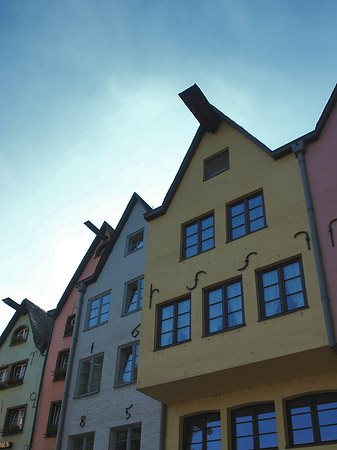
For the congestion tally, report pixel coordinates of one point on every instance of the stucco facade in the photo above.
(22, 356)
(98, 411)
(269, 356)
(45, 429)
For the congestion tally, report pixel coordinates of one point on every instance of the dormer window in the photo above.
(134, 242)
(216, 164)
(20, 335)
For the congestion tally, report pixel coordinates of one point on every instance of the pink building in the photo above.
(53, 380)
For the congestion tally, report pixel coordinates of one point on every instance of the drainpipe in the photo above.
(299, 149)
(162, 427)
(81, 287)
(40, 386)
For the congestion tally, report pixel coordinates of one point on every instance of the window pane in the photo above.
(271, 292)
(273, 308)
(215, 325)
(327, 417)
(184, 306)
(192, 240)
(192, 229)
(238, 232)
(303, 436)
(235, 319)
(267, 425)
(191, 251)
(238, 220)
(244, 429)
(245, 443)
(295, 301)
(255, 213)
(294, 285)
(291, 270)
(329, 433)
(167, 312)
(206, 223)
(238, 209)
(255, 201)
(270, 278)
(167, 325)
(233, 290)
(257, 224)
(213, 445)
(184, 320)
(215, 310)
(268, 440)
(183, 334)
(215, 296)
(206, 245)
(206, 234)
(234, 304)
(301, 421)
(166, 339)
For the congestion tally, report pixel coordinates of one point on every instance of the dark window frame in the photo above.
(245, 201)
(52, 425)
(311, 401)
(140, 291)
(224, 302)
(9, 429)
(69, 327)
(252, 410)
(175, 327)
(197, 418)
(122, 350)
(281, 282)
(198, 223)
(90, 390)
(60, 368)
(130, 237)
(16, 339)
(212, 159)
(99, 315)
(128, 429)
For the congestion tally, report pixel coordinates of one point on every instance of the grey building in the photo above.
(101, 407)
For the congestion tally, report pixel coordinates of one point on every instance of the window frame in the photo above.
(61, 368)
(204, 417)
(128, 429)
(198, 221)
(11, 380)
(122, 350)
(224, 151)
(85, 437)
(91, 374)
(140, 292)
(253, 410)
(8, 428)
(175, 328)
(311, 401)
(224, 303)
(52, 425)
(247, 221)
(282, 291)
(17, 338)
(69, 326)
(99, 315)
(130, 237)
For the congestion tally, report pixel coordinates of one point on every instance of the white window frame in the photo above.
(128, 428)
(134, 346)
(139, 246)
(91, 373)
(140, 288)
(85, 441)
(99, 312)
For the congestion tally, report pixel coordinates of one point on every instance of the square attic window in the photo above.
(216, 164)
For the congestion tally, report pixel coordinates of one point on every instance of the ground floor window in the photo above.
(202, 432)
(127, 438)
(83, 442)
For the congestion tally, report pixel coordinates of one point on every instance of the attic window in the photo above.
(134, 242)
(216, 164)
(20, 335)
(68, 331)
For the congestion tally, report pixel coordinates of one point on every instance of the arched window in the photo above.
(202, 432)
(20, 335)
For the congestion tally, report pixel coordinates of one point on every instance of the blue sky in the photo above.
(90, 112)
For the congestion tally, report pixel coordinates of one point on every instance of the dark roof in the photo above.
(312, 135)
(40, 323)
(75, 278)
(209, 118)
(125, 216)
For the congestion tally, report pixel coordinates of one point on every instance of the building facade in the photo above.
(49, 407)
(104, 410)
(234, 340)
(23, 347)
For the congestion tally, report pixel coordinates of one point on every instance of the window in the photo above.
(254, 427)
(20, 335)
(281, 289)
(198, 236)
(246, 216)
(202, 432)
(13, 374)
(83, 442)
(216, 164)
(133, 297)
(54, 418)
(224, 307)
(68, 331)
(312, 419)
(89, 375)
(174, 322)
(98, 310)
(127, 438)
(134, 242)
(14, 420)
(3, 376)
(61, 365)
(127, 364)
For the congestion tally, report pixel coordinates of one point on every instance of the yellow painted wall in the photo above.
(271, 392)
(259, 341)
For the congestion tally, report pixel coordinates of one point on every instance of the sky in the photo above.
(90, 113)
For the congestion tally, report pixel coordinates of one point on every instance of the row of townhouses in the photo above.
(208, 323)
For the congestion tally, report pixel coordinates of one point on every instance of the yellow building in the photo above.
(233, 334)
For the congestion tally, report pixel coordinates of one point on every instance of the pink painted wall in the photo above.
(321, 160)
(53, 390)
